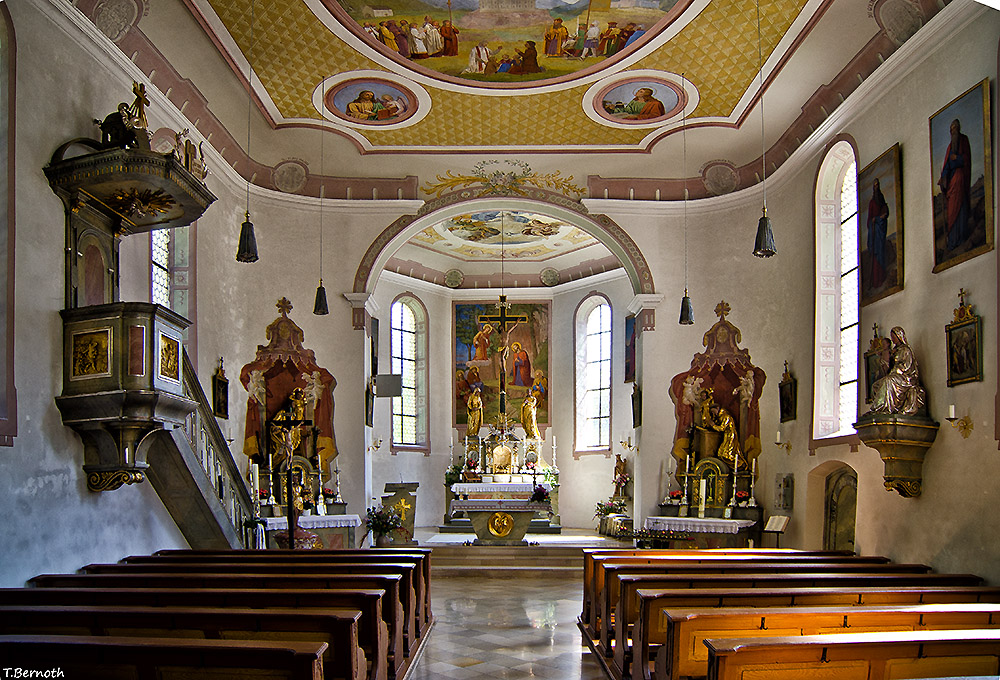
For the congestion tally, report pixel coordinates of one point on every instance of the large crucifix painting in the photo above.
(479, 361)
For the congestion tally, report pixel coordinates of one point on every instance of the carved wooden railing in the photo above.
(210, 447)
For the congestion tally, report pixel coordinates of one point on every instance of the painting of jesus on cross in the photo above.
(503, 349)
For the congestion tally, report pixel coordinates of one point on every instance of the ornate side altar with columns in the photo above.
(717, 440)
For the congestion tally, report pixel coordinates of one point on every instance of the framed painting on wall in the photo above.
(479, 359)
(880, 222)
(630, 348)
(965, 345)
(962, 172)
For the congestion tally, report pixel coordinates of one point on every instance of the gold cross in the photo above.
(402, 506)
(503, 317)
(961, 295)
(284, 306)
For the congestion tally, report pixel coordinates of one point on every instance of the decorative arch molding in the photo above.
(601, 227)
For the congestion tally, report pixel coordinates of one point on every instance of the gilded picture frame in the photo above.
(220, 394)
(962, 182)
(880, 226)
(965, 351)
(787, 397)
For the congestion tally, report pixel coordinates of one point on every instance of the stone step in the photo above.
(476, 558)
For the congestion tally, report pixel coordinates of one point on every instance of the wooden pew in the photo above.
(608, 572)
(101, 658)
(684, 652)
(626, 611)
(650, 626)
(622, 589)
(407, 570)
(337, 628)
(422, 556)
(592, 554)
(372, 630)
(392, 610)
(858, 656)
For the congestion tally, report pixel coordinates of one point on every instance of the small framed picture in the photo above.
(965, 351)
(220, 393)
(787, 395)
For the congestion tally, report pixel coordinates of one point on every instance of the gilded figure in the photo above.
(529, 417)
(720, 421)
(899, 392)
(475, 407)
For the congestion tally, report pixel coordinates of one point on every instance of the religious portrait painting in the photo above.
(371, 101)
(962, 178)
(880, 226)
(787, 397)
(630, 348)
(639, 101)
(965, 350)
(488, 356)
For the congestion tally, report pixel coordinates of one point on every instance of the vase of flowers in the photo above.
(381, 522)
(606, 508)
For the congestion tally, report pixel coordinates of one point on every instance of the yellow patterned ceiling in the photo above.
(294, 51)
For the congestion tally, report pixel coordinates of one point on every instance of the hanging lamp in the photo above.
(687, 309)
(764, 243)
(320, 307)
(246, 251)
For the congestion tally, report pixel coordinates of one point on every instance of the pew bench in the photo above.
(408, 571)
(344, 658)
(372, 629)
(626, 610)
(420, 556)
(857, 656)
(392, 610)
(684, 654)
(651, 624)
(102, 658)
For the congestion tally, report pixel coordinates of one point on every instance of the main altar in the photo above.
(716, 443)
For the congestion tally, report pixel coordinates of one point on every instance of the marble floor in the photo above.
(524, 627)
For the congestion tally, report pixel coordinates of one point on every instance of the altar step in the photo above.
(462, 525)
(487, 560)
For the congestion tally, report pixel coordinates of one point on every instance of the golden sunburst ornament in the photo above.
(145, 203)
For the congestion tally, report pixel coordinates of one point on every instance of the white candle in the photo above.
(701, 496)
(736, 462)
(777, 438)
(951, 410)
(553, 440)
(254, 478)
(753, 468)
(687, 464)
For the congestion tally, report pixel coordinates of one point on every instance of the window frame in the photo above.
(581, 316)
(8, 63)
(838, 159)
(421, 372)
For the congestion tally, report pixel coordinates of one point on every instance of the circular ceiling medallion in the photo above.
(371, 101)
(640, 98)
(114, 18)
(453, 278)
(549, 276)
(720, 177)
(289, 176)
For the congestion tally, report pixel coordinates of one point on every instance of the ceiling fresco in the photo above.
(303, 48)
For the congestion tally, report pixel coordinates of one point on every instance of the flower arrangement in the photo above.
(472, 464)
(605, 508)
(529, 466)
(453, 475)
(742, 497)
(540, 495)
(382, 521)
(675, 496)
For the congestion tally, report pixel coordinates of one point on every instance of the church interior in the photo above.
(316, 260)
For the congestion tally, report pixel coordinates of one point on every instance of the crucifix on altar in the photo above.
(504, 321)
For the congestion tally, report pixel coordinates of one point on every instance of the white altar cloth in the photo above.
(707, 525)
(463, 488)
(498, 504)
(315, 522)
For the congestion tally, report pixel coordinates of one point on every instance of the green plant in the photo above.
(605, 508)
(382, 521)
(453, 475)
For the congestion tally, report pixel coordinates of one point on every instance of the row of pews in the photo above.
(266, 614)
(784, 615)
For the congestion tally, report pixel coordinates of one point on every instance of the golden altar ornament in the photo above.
(501, 524)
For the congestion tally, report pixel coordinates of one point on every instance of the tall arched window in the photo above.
(8, 393)
(408, 354)
(835, 398)
(593, 374)
(172, 275)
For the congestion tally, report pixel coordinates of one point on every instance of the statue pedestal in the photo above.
(902, 442)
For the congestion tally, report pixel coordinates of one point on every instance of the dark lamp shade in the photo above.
(764, 244)
(687, 311)
(320, 307)
(247, 251)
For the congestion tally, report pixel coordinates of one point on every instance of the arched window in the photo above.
(8, 393)
(593, 375)
(835, 398)
(408, 354)
(172, 275)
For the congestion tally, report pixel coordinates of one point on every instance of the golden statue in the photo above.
(899, 391)
(529, 408)
(720, 421)
(475, 420)
(283, 434)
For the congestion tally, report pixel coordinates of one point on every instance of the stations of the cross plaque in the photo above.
(504, 321)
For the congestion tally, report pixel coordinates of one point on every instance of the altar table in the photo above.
(500, 521)
(336, 531)
(708, 532)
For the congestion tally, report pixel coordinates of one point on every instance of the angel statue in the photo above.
(745, 389)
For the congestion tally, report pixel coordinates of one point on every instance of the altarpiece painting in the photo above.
(479, 359)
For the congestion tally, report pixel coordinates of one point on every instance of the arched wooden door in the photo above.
(840, 509)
